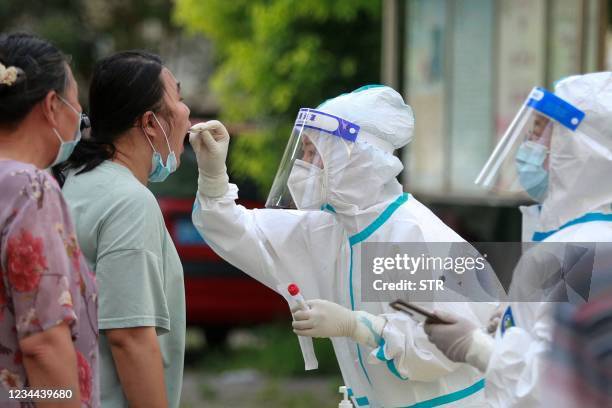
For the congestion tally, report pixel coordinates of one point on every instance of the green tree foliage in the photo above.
(89, 29)
(275, 56)
(61, 21)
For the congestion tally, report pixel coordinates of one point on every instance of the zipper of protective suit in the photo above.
(356, 239)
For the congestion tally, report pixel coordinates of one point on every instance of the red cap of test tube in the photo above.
(293, 289)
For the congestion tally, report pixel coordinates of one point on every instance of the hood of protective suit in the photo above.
(581, 161)
(361, 176)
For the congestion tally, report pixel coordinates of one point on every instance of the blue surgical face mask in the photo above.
(66, 148)
(533, 177)
(159, 171)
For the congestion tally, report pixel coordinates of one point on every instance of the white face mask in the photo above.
(306, 184)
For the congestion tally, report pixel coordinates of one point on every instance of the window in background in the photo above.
(471, 91)
(469, 64)
(425, 66)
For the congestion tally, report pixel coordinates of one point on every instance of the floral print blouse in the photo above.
(44, 279)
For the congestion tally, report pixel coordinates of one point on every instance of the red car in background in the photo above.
(219, 296)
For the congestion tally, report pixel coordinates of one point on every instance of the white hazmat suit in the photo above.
(320, 251)
(575, 209)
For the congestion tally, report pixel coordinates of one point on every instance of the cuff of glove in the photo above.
(480, 350)
(213, 187)
(368, 329)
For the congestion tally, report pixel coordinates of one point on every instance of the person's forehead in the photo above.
(69, 71)
(71, 83)
(169, 79)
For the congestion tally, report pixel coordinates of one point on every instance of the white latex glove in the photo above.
(328, 319)
(453, 339)
(495, 318)
(480, 350)
(210, 141)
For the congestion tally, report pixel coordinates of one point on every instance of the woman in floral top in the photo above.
(48, 304)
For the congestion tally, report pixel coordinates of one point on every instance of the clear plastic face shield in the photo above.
(301, 176)
(519, 162)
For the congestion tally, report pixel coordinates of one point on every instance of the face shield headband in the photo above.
(519, 162)
(300, 179)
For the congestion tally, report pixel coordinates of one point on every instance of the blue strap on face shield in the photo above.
(324, 122)
(555, 108)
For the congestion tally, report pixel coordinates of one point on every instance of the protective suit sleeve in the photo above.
(514, 371)
(262, 243)
(405, 349)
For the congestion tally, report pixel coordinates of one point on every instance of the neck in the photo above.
(26, 144)
(135, 153)
(355, 217)
(355, 220)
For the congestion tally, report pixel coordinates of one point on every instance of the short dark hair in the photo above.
(42, 68)
(123, 87)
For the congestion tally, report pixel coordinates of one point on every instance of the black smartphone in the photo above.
(411, 308)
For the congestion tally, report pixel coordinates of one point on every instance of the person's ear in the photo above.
(147, 123)
(50, 108)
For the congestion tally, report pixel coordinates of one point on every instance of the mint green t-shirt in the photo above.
(122, 234)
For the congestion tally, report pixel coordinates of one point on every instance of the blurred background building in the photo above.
(466, 66)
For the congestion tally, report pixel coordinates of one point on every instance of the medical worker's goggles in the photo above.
(300, 181)
(519, 162)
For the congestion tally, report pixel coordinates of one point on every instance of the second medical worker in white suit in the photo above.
(339, 170)
(560, 148)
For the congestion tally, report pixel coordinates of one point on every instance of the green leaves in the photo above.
(275, 56)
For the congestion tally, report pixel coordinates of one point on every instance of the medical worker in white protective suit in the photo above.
(560, 147)
(339, 163)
